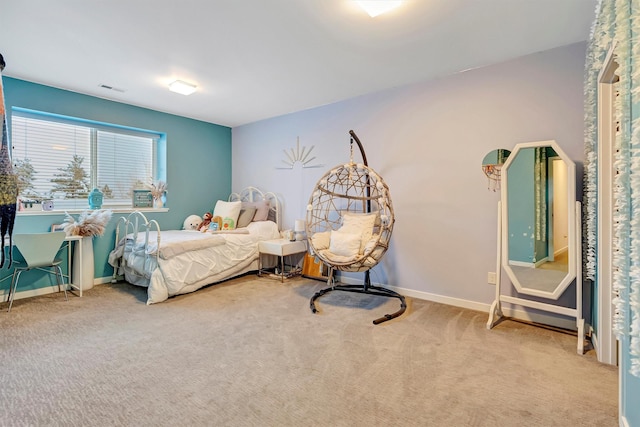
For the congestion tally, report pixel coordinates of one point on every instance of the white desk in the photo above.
(69, 239)
(78, 285)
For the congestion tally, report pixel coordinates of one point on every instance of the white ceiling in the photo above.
(255, 59)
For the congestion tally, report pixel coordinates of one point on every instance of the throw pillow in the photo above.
(344, 243)
(321, 240)
(229, 212)
(361, 223)
(262, 209)
(246, 216)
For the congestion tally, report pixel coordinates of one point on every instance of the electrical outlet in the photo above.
(491, 278)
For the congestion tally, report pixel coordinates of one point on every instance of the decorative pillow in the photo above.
(229, 212)
(371, 244)
(321, 240)
(344, 243)
(272, 215)
(262, 209)
(361, 223)
(246, 216)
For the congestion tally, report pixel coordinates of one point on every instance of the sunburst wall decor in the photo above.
(297, 155)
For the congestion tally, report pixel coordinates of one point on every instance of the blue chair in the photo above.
(39, 251)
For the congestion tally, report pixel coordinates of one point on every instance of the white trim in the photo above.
(519, 314)
(560, 251)
(623, 421)
(51, 289)
(606, 351)
(522, 264)
(33, 292)
(542, 261)
(102, 280)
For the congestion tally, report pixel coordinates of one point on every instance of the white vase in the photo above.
(83, 271)
(158, 203)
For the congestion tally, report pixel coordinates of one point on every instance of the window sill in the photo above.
(78, 211)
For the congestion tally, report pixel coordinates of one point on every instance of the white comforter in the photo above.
(189, 260)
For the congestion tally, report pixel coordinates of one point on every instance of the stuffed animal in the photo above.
(206, 220)
(218, 221)
(192, 222)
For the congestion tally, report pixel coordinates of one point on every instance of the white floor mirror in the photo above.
(539, 234)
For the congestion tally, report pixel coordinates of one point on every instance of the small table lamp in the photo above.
(299, 229)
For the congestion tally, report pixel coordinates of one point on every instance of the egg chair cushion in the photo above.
(359, 223)
(343, 243)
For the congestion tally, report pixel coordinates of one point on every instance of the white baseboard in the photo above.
(30, 293)
(456, 302)
(520, 314)
(623, 421)
(102, 280)
(47, 290)
(561, 251)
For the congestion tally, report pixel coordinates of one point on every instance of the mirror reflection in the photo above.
(538, 221)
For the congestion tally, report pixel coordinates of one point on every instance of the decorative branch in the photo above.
(158, 189)
(88, 224)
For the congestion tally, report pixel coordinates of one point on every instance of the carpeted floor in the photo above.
(249, 352)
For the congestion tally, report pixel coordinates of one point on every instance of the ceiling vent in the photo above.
(112, 88)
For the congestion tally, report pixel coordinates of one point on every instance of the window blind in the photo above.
(63, 159)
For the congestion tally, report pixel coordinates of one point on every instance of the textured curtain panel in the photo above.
(617, 22)
(633, 44)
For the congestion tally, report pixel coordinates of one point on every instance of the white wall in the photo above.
(427, 141)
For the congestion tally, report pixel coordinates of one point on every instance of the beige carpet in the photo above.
(250, 353)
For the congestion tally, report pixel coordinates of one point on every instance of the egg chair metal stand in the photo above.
(357, 190)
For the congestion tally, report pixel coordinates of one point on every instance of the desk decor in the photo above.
(142, 199)
(95, 199)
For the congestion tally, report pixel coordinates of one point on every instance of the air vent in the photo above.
(112, 88)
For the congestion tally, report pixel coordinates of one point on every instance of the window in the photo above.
(62, 159)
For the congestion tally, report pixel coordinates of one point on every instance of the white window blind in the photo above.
(63, 159)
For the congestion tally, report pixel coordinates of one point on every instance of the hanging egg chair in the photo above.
(349, 223)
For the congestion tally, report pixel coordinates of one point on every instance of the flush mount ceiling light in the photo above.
(378, 7)
(181, 87)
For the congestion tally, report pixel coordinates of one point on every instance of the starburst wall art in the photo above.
(298, 155)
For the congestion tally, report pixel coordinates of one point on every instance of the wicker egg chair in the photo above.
(349, 223)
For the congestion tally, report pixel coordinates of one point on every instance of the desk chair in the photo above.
(39, 251)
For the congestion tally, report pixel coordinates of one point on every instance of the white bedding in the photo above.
(189, 260)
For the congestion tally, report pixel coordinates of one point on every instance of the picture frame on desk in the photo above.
(142, 199)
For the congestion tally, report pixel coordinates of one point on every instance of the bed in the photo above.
(175, 262)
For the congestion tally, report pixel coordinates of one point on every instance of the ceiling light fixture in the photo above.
(378, 7)
(181, 87)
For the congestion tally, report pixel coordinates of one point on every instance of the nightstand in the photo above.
(280, 248)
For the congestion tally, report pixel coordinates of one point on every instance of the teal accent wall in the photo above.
(198, 158)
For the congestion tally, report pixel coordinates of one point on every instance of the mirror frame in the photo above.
(571, 208)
